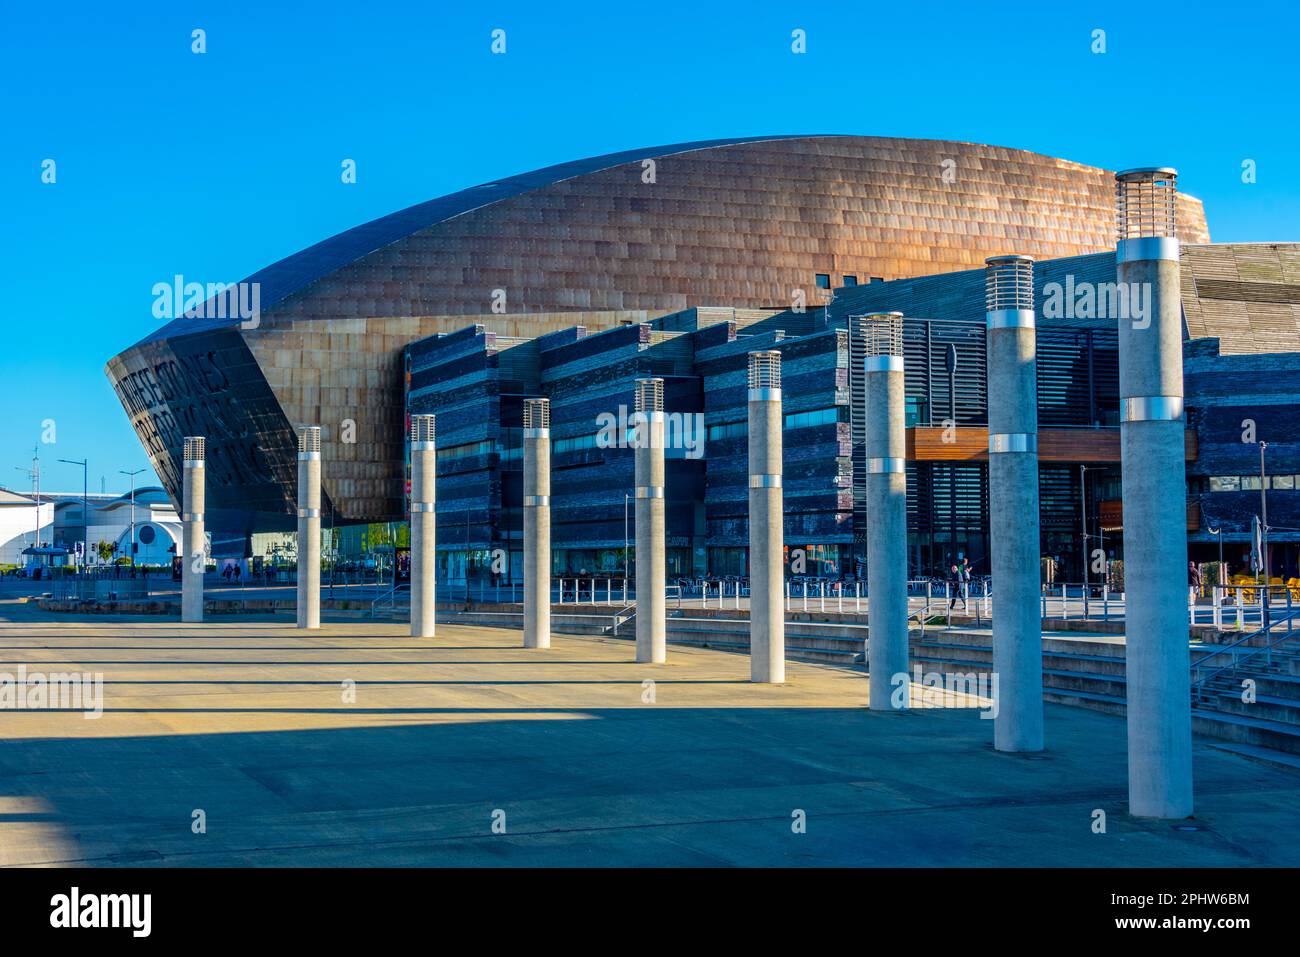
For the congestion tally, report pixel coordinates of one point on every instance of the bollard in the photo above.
(537, 524)
(424, 559)
(1152, 454)
(309, 464)
(766, 519)
(193, 536)
(886, 503)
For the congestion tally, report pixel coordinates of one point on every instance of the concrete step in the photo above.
(1239, 729)
(1267, 707)
(1055, 680)
(1278, 685)
(1051, 642)
(1112, 687)
(1097, 701)
(702, 633)
(808, 629)
(1269, 756)
(1242, 729)
(560, 624)
(1272, 722)
(1081, 664)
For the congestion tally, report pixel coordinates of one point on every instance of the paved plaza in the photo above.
(357, 745)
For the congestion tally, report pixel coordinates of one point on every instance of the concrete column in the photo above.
(537, 523)
(651, 618)
(424, 560)
(884, 449)
(193, 536)
(1013, 502)
(309, 527)
(766, 520)
(1155, 497)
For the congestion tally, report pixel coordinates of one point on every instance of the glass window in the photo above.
(460, 451)
(823, 280)
(1284, 481)
(1250, 483)
(834, 413)
(914, 411)
(1225, 483)
(850, 280)
(727, 430)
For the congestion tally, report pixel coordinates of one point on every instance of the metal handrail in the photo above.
(622, 617)
(1237, 659)
(390, 597)
(921, 615)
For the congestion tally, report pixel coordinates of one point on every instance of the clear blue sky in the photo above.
(213, 166)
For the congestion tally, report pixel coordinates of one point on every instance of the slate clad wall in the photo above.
(595, 376)
(817, 479)
(1222, 393)
(456, 378)
(1245, 294)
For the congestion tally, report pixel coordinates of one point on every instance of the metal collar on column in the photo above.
(885, 466)
(1151, 408)
(1013, 442)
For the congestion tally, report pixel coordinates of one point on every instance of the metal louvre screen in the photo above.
(928, 387)
(1078, 377)
(1078, 387)
(1058, 493)
(947, 513)
(934, 394)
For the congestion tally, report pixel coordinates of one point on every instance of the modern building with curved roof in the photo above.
(761, 223)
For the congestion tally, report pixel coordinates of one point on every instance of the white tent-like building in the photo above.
(111, 519)
(157, 527)
(23, 524)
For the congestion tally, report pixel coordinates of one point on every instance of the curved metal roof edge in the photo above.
(283, 278)
(299, 270)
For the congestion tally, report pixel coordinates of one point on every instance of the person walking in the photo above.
(954, 588)
(1193, 582)
(963, 571)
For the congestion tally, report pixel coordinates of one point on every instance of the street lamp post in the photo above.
(34, 473)
(132, 476)
(85, 506)
(1221, 576)
(1083, 525)
(1101, 544)
(625, 500)
(1263, 527)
